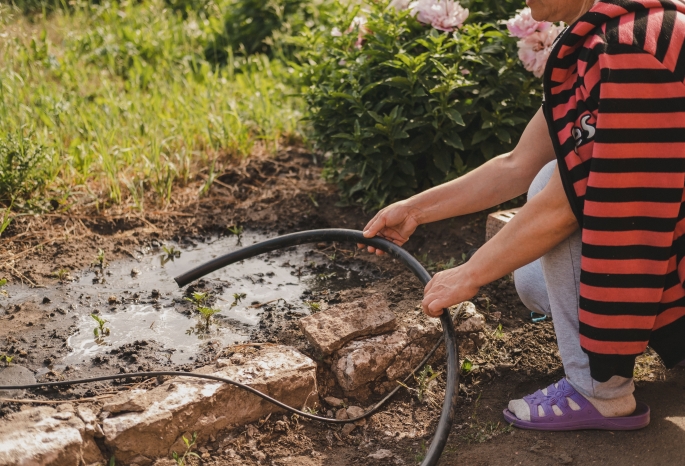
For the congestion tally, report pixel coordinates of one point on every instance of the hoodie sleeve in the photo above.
(632, 227)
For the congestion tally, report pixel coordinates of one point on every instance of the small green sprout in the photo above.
(236, 230)
(207, 313)
(3, 281)
(325, 276)
(100, 259)
(313, 306)
(423, 379)
(181, 460)
(62, 275)
(237, 297)
(7, 359)
(198, 298)
(499, 333)
(466, 366)
(171, 252)
(101, 330)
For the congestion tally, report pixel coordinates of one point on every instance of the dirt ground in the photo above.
(285, 194)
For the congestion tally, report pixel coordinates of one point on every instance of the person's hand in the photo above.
(448, 288)
(395, 223)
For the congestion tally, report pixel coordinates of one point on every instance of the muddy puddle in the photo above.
(141, 302)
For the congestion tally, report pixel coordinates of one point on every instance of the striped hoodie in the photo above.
(615, 108)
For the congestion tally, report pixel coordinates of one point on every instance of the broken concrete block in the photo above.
(393, 356)
(183, 405)
(361, 362)
(329, 330)
(46, 437)
(496, 221)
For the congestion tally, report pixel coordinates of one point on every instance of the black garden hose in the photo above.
(314, 236)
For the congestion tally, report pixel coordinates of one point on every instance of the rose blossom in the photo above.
(445, 15)
(535, 49)
(523, 25)
(399, 5)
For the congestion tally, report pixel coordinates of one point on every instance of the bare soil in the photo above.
(286, 194)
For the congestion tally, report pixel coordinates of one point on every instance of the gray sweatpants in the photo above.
(550, 285)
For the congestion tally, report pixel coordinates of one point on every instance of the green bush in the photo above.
(263, 26)
(23, 171)
(413, 107)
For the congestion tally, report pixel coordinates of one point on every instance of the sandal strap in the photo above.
(556, 396)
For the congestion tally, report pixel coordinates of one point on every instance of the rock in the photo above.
(333, 401)
(361, 362)
(222, 363)
(470, 320)
(90, 420)
(348, 428)
(41, 436)
(381, 455)
(356, 411)
(393, 355)
(130, 402)
(15, 375)
(112, 299)
(329, 330)
(183, 405)
(341, 414)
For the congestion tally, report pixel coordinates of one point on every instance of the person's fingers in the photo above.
(361, 246)
(379, 252)
(436, 278)
(371, 249)
(374, 226)
(436, 307)
(431, 309)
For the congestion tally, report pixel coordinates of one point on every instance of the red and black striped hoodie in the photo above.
(615, 107)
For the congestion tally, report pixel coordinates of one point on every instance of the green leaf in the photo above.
(452, 139)
(503, 135)
(480, 136)
(442, 159)
(455, 116)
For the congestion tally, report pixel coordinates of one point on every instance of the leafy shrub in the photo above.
(413, 106)
(263, 26)
(23, 166)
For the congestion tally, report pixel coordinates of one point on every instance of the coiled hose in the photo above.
(314, 236)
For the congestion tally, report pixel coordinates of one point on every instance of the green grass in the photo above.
(115, 104)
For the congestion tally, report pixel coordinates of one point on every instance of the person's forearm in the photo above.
(545, 221)
(497, 181)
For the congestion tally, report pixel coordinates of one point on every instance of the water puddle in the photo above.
(140, 301)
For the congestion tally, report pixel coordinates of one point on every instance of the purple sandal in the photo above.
(587, 417)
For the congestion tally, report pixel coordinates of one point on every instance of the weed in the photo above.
(466, 366)
(433, 266)
(481, 431)
(61, 275)
(112, 461)
(499, 333)
(101, 330)
(3, 282)
(313, 199)
(237, 297)
(181, 460)
(313, 306)
(7, 359)
(100, 260)
(207, 314)
(204, 189)
(171, 253)
(325, 276)
(421, 453)
(6, 220)
(310, 410)
(197, 298)
(235, 230)
(423, 380)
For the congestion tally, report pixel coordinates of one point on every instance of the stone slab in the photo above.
(183, 406)
(45, 436)
(329, 330)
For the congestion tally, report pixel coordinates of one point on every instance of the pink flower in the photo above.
(445, 15)
(399, 5)
(359, 23)
(523, 25)
(536, 47)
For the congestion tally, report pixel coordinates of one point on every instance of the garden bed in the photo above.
(513, 357)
